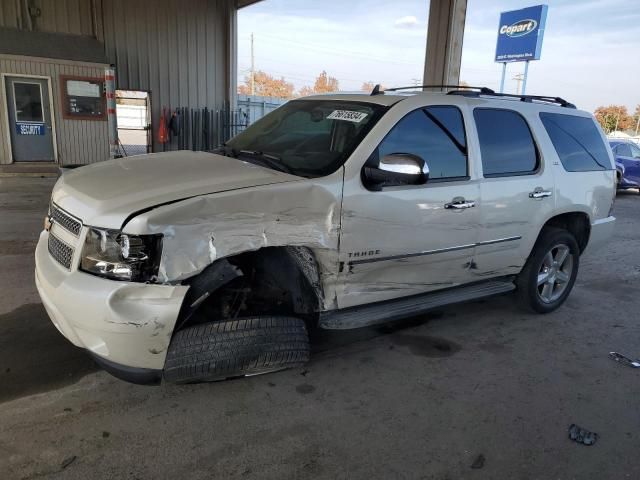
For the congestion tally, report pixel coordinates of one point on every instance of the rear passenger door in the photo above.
(516, 192)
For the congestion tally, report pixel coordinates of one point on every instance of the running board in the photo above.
(382, 312)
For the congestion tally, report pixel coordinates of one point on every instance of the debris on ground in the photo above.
(478, 462)
(581, 435)
(618, 357)
(105, 434)
(68, 461)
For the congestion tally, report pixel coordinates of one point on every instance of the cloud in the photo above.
(408, 21)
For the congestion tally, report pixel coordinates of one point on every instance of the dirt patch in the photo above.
(34, 356)
(426, 346)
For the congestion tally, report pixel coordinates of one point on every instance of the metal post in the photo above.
(112, 121)
(504, 72)
(526, 75)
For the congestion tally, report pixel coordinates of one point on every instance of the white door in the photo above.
(408, 240)
(516, 191)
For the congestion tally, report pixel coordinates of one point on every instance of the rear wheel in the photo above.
(233, 348)
(550, 272)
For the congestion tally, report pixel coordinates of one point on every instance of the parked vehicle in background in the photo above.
(335, 211)
(627, 158)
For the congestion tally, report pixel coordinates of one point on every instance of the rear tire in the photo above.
(550, 272)
(232, 348)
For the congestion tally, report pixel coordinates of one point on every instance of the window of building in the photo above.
(28, 98)
(577, 142)
(435, 134)
(506, 143)
(83, 98)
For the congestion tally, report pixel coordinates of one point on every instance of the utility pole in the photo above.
(253, 69)
(518, 78)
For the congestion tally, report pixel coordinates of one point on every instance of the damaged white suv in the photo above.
(332, 212)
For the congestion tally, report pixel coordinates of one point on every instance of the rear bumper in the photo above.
(601, 232)
(124, 325)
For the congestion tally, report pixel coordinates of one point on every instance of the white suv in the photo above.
(334, 212)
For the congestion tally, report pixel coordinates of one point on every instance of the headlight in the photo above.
(119, 256)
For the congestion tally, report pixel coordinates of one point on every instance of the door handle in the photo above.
(539, 193)
(459, 203)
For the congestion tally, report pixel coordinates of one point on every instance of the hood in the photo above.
(105, 194)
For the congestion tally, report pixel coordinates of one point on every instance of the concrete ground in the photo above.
(420, 400)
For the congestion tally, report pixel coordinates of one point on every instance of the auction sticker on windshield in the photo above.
(348, 115)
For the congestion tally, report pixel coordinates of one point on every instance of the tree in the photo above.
(367, 86)
(266, 86)
(636, 119)
(323, 84)
(614, 117)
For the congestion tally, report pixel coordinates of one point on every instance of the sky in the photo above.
(590, 54)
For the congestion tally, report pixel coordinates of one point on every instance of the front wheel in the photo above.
(549, 274)
(234, 348)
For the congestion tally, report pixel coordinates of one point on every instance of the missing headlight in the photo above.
(120, 256)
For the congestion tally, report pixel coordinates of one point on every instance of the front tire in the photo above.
(233, 348)
(550, 272)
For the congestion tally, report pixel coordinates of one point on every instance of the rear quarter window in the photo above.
(577, 141)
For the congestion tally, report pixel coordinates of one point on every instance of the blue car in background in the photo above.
(627, 155)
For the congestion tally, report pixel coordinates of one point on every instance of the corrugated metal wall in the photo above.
(10, 14)
(78, 141)
(177, 50)
(56, 16)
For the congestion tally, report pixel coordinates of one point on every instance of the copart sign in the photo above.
(520, 34)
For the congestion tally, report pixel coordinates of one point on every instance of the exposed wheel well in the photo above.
(577, 223)
(269, 281)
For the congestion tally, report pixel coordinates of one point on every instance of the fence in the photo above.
(197, 128)
(257, 107)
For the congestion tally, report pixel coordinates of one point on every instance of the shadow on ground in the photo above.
(34, 356)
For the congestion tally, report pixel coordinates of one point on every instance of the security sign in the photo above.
(520, 34)
(30, 128)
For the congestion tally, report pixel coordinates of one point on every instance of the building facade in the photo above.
(53, 57)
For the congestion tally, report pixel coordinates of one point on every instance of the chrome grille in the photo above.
(65, 220)
(60, 251)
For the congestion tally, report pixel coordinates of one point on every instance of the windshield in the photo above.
(309, 138)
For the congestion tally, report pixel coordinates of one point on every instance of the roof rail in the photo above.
(523, 98)
(377, 90)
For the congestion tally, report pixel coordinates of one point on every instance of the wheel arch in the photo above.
(577, 223)
(290, 269)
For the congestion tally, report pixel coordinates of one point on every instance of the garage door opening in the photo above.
(133, 111)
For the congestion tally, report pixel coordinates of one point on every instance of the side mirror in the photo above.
(396, 169)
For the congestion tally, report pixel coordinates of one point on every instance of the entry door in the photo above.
(404, 241)
(30, 119)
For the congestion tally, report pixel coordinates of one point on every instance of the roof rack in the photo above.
(377, 90)
(478, 91)
(523, 98)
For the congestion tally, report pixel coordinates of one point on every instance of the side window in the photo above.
(437, 135)
(506, 143)
(624, 150)
(635, 151)
(577, 142)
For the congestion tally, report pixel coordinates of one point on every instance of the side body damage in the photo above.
(243, 226)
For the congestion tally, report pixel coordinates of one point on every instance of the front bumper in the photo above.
(128, 325)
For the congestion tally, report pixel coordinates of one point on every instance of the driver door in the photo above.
(411, 239)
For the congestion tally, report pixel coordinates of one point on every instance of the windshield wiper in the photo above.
(267, 160)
